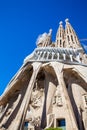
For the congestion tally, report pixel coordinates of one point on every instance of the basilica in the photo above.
(50, 88)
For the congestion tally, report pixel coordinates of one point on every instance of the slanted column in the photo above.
(40, 55)
(58, 56)
(43, 54)
(50, 89)
(64, 56)
(78, 58)
(71, 59)
(47, 55)
(70, 114)
(18, 122)
(53, 55)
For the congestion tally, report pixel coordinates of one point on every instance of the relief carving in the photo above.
(57, 99)
(34, 122)
(36, 98)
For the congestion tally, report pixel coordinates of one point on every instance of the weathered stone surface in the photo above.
(50, 87)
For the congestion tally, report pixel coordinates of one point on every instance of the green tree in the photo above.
(53, 129)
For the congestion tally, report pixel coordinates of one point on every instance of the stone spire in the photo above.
(60, 36)
(71, 39)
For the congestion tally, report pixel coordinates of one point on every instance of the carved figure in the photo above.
(57, 99)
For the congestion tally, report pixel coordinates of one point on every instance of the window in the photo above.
(69, 29)
(60, 123)
(60, 43)
(26, 126)
(57, 41)
(68, 38)
(72, 38)
(60, 34)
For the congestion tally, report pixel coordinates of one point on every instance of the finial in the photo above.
(67, 20)
(50, 31)
(60, 22)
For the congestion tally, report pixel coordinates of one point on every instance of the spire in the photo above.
(71, 39)
(60, 36)
(50, 32)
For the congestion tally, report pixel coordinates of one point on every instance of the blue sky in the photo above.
(21, 21)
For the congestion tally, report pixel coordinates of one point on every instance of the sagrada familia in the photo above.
(50, 88)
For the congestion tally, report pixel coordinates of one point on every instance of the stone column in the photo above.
(74, 94)
(50, 89)
(18, 122)
(64, 56)
(71, 59)
(47, 55)
(72, 125)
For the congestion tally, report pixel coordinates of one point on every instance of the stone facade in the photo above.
(50, 89)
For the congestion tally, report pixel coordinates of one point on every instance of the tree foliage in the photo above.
(53, 129)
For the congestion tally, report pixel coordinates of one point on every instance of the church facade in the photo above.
(50, 88)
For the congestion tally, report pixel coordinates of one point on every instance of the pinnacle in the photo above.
(60, 22)
(66, 20)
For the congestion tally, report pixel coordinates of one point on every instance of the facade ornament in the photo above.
(66, 20)
(36, 98)
(57, 99)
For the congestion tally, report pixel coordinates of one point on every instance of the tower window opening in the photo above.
(60, 34)
(68, 38)
(64, 44)
(71, 37)
(57, 41)
(60, 43)
(70, 30)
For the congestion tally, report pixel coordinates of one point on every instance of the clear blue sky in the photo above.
(21, 21)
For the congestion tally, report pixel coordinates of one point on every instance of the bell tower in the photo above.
(71, 38)
(60, 36)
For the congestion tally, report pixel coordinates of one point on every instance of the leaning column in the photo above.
(18, 122)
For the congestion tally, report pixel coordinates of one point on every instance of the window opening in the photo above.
(68, 38)
(61, 123)
(72, 38)
(26, 126)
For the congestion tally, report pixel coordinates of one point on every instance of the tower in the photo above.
(50, 88)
